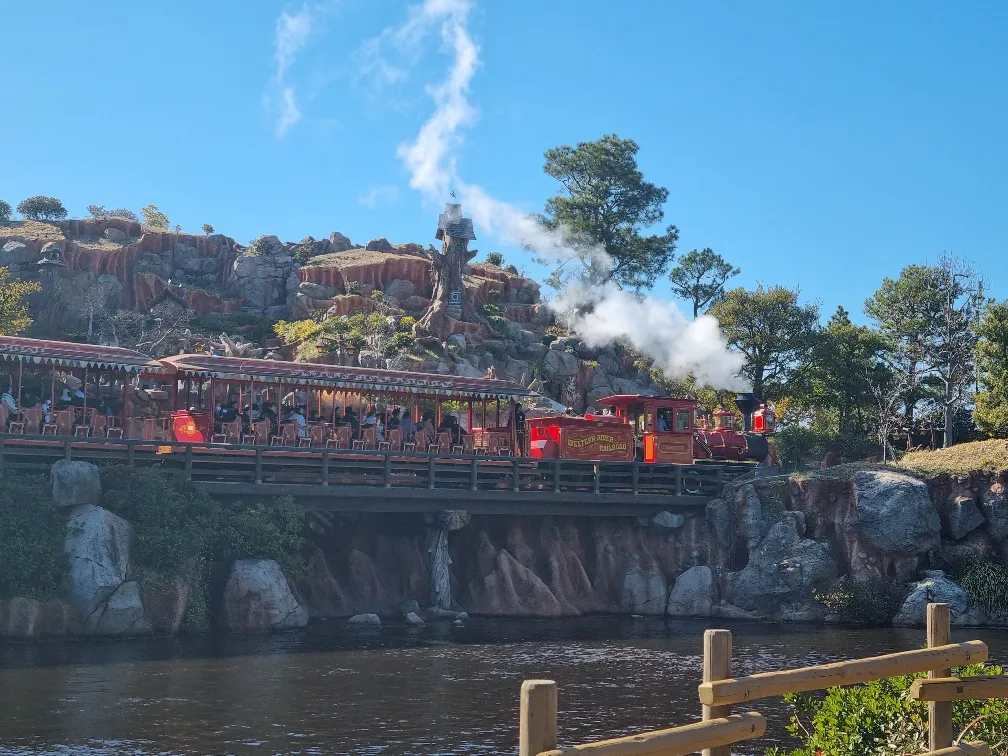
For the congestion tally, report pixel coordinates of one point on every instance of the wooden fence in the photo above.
(225, 463)
(719, 728)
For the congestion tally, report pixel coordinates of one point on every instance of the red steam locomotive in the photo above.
(657, 430)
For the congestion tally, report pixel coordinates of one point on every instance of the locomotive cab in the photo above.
(663, 426)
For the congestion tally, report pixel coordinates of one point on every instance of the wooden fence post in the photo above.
(939, 633)
(537, 717)
(717, 654)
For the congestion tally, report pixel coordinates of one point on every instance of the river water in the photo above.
(437, 690)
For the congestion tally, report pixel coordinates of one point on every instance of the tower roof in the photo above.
(451, 223)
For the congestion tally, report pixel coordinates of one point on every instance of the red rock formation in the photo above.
(369, 268)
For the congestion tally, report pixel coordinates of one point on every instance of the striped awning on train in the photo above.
(69, 354)
(350, 378)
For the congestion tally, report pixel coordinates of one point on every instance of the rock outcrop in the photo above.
(936, 587)
(257, 598)
(98, 543)
(75, 484)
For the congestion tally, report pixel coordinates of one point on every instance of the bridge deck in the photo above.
(391, 481)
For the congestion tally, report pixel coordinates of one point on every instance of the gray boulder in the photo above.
(457, 340)
(258, 598)
(414, 619)
(693, 594)
(339, 243)
(121, 614)
(560, 364)
(316, 291)
(365, 620)
(115, 235)
(379, 245)
(961, 516)
(17, 253)
(98, 543)
(668, 521)
(719, 522)
(995, 512)
(643, 591)
(895, 512)
(939, 589)
(542, 315)
(782, 569)
(400, 289)
(75, 484)
(466, 369)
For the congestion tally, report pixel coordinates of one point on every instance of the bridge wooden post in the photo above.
(130, 449)
(717, 654)
(66, 449)
(473, 472)
(636, 477)
(188, 462)
(2, 441)
(430, 471)
(939, 633)
(556, 476)
(258, 467)
(388, 470)
(678, 480)
(515, 480)
(598, 476)
(537, 717)
(325, 466)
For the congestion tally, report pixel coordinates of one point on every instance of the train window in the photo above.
(682, 420)
(664, 419)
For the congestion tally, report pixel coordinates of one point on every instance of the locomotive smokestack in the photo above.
(747, 404)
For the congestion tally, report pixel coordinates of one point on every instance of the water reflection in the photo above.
(440, 690)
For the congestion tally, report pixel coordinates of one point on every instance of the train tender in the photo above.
(653, 429)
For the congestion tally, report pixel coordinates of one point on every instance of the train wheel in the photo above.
(692, 484)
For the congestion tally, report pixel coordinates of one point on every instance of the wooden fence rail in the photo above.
(257, 465)
(719, 728)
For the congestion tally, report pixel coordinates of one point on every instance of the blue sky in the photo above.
(812, 144)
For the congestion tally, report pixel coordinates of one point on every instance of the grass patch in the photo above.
(961, 459)
(847, 471)
(32, 530)
(32, 229)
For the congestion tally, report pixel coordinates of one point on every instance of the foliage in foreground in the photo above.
(870, 602)
(32, 562)
(880, 719)
(13, 310)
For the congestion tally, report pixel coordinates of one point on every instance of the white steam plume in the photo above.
(601, 314)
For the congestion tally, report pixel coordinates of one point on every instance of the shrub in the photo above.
(178, 228)
(208, 229)
(305, 250)
(872, 602)
(42, 208)
(299, 330)
(97, 211)
(153, 217)
(32, 562)
(406, 323)
(880, 718)
(336, 326)
(495, 258)
(399, 343)
(356, 339)
(986, 582)
(353, 287)
(5, 212)
(512, 269)
(498, 323)
(122, 212)
(258, 246)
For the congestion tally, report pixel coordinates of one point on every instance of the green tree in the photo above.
(838, 371)
(605, 205)
(208, 229)
(121, 212)
(5, 212)
(991, 413)
(40, 207)
(14, 316)
(97, 211)
(928, 317)
(771, 329)
(495, 258)
(700, 277)
(154, 218)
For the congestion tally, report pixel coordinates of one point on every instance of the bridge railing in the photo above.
(719, 728)
(265, 465)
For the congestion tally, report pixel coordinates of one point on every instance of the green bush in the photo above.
(32, 530)
(399, 343)
(353, 287)
(881, 719)
(305, 249)
(97, 211)
(258, 247)
(986, 582)
(6, 213)
(122, 212)
(406, 323)
(869, 602)
(495, 258)
(208, 229)
(154, 218)
(42, 208)
(498, 323)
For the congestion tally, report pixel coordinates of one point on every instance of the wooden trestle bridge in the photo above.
(339, 480)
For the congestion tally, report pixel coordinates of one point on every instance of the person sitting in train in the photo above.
(78, 398)
(394, 420)
(8, 399)
(64, 400)
(663, 421)
(338, 418)
(297, 416)
(246, 418)
(47, 411)
(353, 420)
(406, 425)
(229, 412)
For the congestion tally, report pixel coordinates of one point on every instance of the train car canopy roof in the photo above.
(625, 400)
(352, 378)
(69, 354)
